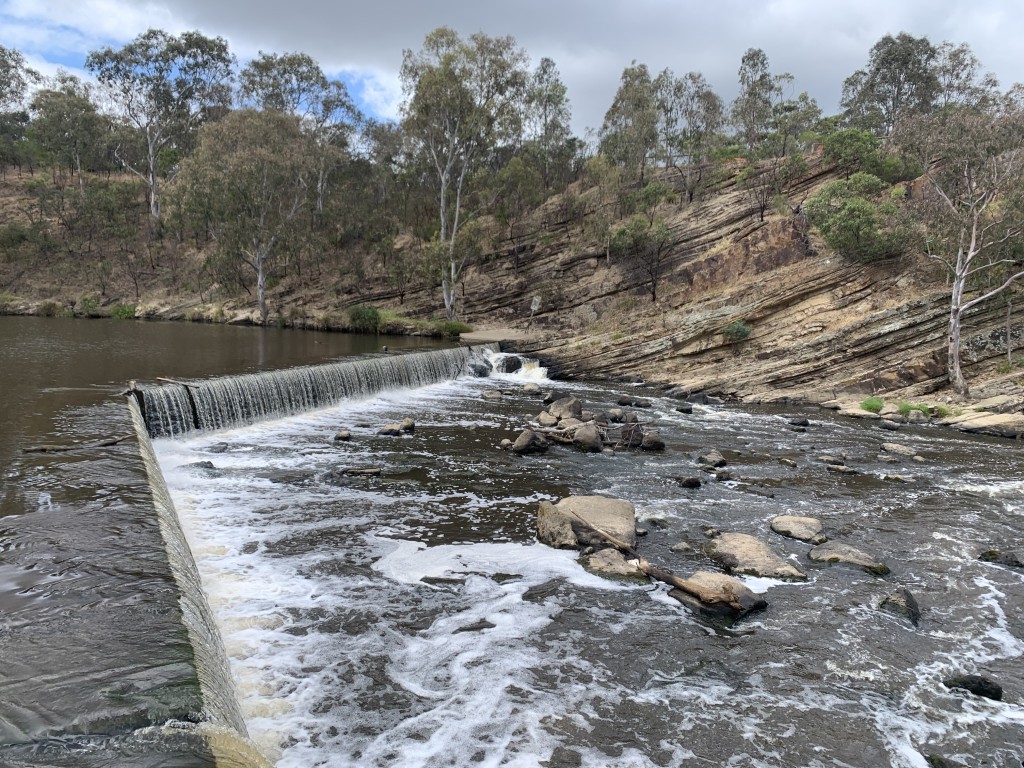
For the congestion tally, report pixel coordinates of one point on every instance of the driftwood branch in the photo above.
(77, 447)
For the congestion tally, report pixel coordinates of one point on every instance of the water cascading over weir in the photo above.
(181, 408)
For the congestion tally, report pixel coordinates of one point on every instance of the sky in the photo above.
(819, 42)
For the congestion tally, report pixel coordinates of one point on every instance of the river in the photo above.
(410, 618)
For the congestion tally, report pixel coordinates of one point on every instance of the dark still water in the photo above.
(92, 647)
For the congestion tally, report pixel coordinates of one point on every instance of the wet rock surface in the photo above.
(836, 552)
(743, 554)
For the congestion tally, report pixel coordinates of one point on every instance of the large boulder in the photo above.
(741, 553)
(1009, 558)
(712, 458)
(588, 438)
(554, 528)
(529, 442)
(566, 408)
(479, 367)
(652, 441)
(902, 603)
(631, 436)
(837, 552)
(807, 529)
(718, 594)
(976, 684)
(545, 419)
(611, 564)
(615, 517)
(508, 364)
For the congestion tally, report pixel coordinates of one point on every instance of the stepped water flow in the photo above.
(180, 408)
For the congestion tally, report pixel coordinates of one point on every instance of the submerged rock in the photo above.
(837, 552)
(741, 553)
(807, 529)
(584, 514)
(976, 684)
(1010, 559)
(390, 430)
(691, 483)
(718, 594)
(902, 603)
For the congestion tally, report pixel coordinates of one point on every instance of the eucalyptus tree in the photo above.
(15, 78)
(971, 214)
(959, 77)
(547, 119)
(68, 126)
(247, 183)
(629, 133)
(690, 119)
(463, 98)
(753, 110)
(900, 79)
(164, 86)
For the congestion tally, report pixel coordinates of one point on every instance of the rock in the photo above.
(616, 415)
(902, 603)
(725, 475)
(390, 430)
(898, 450)
(807, 529)
(889, 425)
(841, 469)
(625, 400)
(642, 403)
(492, 394)
(629, 417)
(830, 459)
(570, 425)
(509, 364)
(799, 422)
(718, 594)
(220, 448)
(479, 367)
(611, 564)
(529, 442)
(976, 684)
(342, 436)
(652, 441)
(938, 761)
(566, 408)
(787, 462)
(690, 482)
(677, 393)
(587, 438)
(531, 388)
(408, 425)
(682, 546)
(505, 444)
(1001, 557)
(554, 395)
(545, 419)
(200, 465)
(712, 458)
(613, 516)
(685, 408)
(916, 417)
(837, 552)
(553, 528)
(741, 553)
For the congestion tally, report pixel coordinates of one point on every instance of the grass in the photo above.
(123, 312)
(872, 404)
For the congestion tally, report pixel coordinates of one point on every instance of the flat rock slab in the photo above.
(898, 450)
(985, 423)
(807, 529)
(741, 553)
(836, 552)
(580, 516)
(718, 594)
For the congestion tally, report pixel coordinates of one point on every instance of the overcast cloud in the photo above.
(819, 42)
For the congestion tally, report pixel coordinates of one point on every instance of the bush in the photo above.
(452, 328)
(123, 312)
(873, 404)
(88, 306)
(736, 331)
(906, 408)
(363, 319)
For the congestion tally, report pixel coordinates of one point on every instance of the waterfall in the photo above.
(180, 408)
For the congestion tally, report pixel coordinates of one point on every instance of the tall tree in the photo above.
(629, 134)
(164, 86)
(15, 78)
(67, 124)
(972, 213)
(959, 77)
(247, 184)
(753, 110)
(690, 116)
(547, 118)
(463, 98)
(899, 80)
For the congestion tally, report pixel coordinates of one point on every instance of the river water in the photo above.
(410, 618)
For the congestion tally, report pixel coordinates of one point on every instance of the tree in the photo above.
(690, 117)
(629, 134)
(851, 149)
(754, 108)
(856, 218)
(165, 87)
(766, 182)
(971, 215)
(247, 183)
(15, 78)
(646, 244)
(67, 125)
(518, 189)
(959, 78)
(547, 118)
(899, 80)
(463, 98)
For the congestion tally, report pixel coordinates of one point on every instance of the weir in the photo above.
(180, 408)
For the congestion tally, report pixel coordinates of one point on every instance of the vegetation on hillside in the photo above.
(178, 169)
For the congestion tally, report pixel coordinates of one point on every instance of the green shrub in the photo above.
(943, 412)
(88, 306)
(49, 309)
(452, 328)
(123, 312)
(736, 331)
(363, 319)
(873, 404)
(906, 408)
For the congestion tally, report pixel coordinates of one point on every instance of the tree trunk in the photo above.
(956, 376)
(261, 287)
